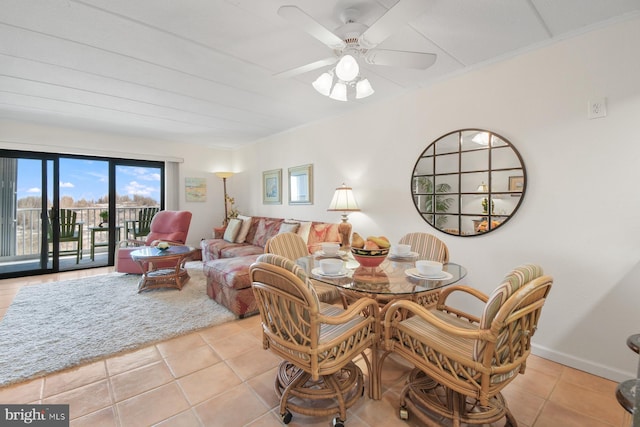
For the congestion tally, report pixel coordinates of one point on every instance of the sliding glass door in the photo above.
(60, 213)
(23, 189)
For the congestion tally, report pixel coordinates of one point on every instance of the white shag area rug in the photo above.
(53, 326)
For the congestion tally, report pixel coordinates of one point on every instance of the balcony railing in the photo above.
(28, 228)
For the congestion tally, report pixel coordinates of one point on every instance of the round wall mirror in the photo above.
(468, 182)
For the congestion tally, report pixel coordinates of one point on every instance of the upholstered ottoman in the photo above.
(228, 283)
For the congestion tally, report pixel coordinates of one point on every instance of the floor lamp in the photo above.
(345, 202)
(224, 176)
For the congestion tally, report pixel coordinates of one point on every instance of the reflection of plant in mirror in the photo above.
(485, 206)
(442, 203)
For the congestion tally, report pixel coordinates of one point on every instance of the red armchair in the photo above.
(166, 226)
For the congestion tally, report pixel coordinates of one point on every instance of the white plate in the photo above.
(413, 272)
(318, 272)
(339, 254)
(398, 256)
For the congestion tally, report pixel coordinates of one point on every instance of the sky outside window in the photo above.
(89, 180)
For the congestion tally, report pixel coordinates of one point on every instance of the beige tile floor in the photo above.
(221, 376)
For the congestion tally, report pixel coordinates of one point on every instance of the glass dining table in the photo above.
(393, 279)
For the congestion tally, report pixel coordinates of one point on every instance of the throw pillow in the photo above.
(289, 227)
(244, 230)
(233, 228)
(303, 230)
(267, 228)
(323, 232)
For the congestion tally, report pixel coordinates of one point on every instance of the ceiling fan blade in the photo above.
(306, 23)
(399, 58)
(401, 13)
(306, 68)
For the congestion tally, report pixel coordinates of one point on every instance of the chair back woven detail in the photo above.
(474, 356)
(291, 266)
(427, 246)
(294, 322)
(511, 283)
(288, 245)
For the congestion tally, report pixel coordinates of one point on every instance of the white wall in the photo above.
(195, 162)
(579, 216)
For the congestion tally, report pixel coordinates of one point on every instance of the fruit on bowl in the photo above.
(370, 252)
(372, 242)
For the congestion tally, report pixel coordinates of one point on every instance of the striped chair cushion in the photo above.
(288, 245)
(510, 284)
(427, 245)
(291, 266)
(440, 340)
(330, 332)
(462, 348)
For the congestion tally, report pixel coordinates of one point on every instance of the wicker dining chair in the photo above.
(292, 246)
(427, 246)
(317, 341)
(463, 361)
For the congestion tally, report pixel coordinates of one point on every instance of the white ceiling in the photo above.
(202, 71)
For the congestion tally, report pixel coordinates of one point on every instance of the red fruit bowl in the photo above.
(370, 257)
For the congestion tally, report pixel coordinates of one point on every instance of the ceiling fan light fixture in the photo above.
(347, 68)
(323, 84)
(363, 89)
(339, 92)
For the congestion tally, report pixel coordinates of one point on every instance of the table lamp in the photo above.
(345, 202)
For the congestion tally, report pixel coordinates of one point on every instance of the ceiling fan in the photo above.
(352, 41)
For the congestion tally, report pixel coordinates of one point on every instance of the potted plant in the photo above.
(105, 218)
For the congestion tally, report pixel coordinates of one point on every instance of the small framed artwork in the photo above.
(516, 183)
(272, 187)
(195, 189)
(301, 185)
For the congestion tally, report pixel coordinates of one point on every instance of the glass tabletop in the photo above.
(392, 277)
(152, 251)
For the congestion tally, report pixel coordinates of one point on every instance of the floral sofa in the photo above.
(229, 254)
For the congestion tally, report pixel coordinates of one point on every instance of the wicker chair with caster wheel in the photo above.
(464, 361)
(317, 341)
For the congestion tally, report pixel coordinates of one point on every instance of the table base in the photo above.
(164, 278)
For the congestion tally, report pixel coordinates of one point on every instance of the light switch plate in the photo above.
(597, 108)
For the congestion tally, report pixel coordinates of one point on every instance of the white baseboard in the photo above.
(583, 365)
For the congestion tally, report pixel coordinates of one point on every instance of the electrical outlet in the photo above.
(597, 108)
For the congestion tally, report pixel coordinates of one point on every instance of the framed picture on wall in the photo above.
(516, 183)
(272, 187)
(301, 185)
(195, 189)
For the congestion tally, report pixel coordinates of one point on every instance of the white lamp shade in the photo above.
(323, 83)
(339, 92)
(343, 200)
(363, 89)
(347, 68)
